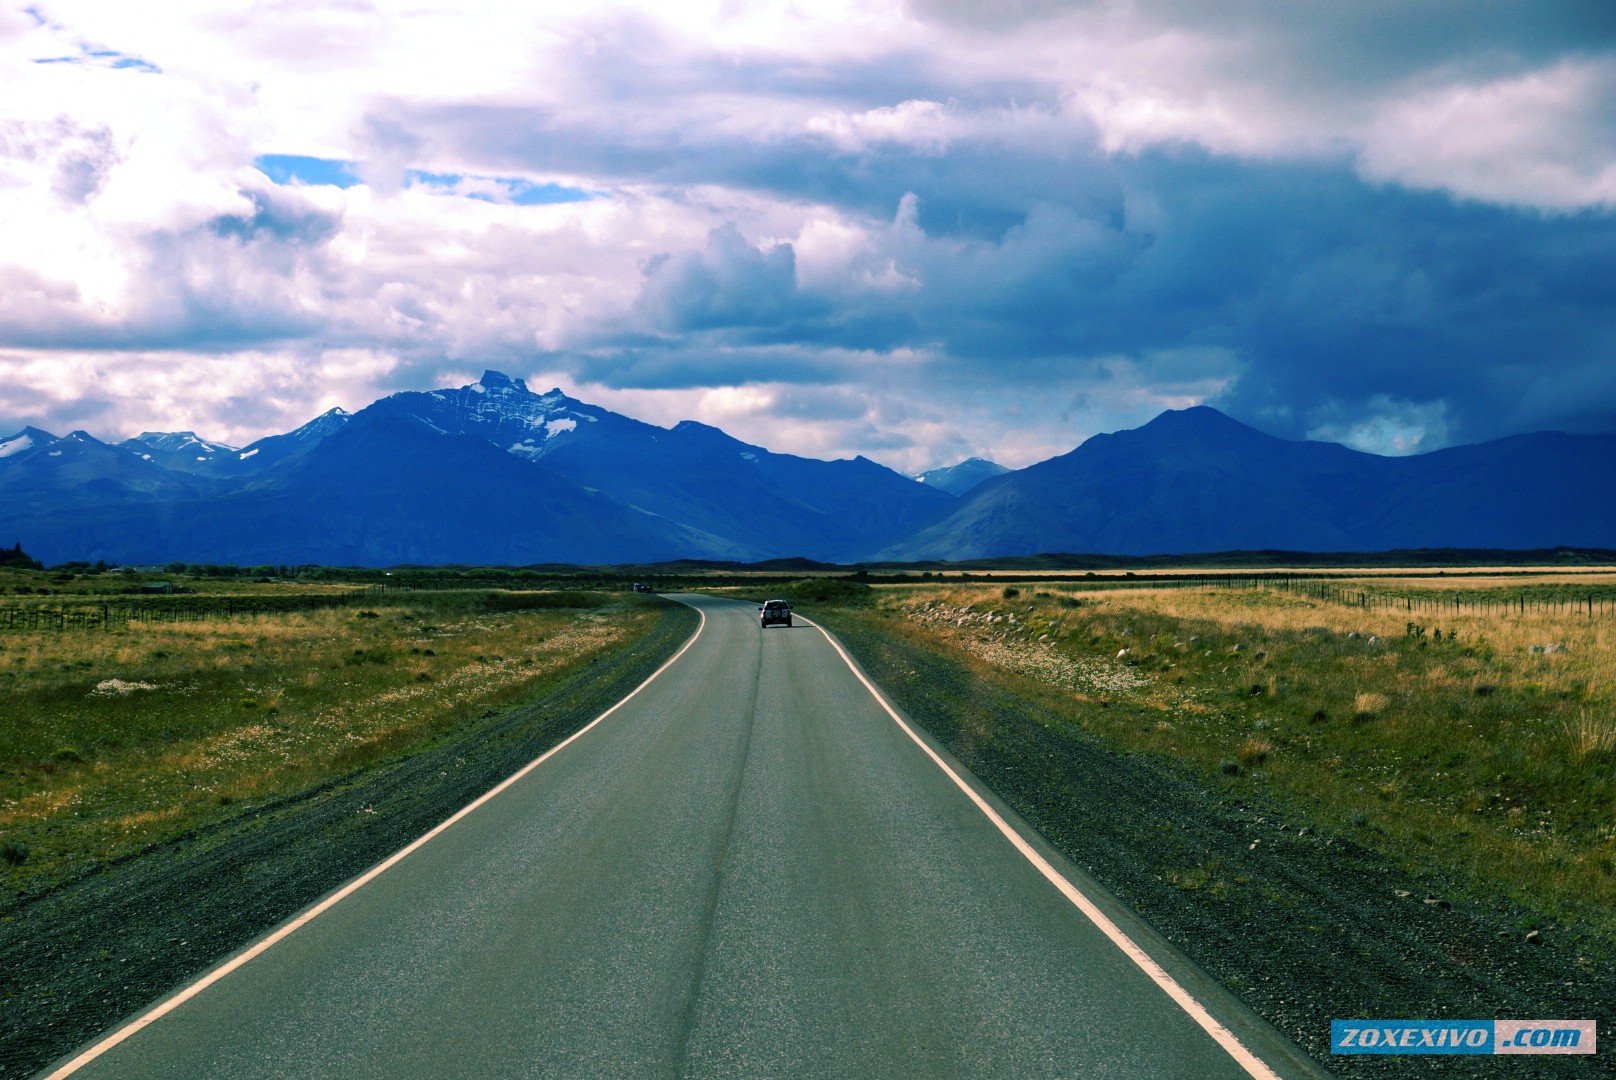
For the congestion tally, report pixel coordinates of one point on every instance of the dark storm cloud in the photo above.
(1332, 296)
(1335, 293)
(705, 361)
(730, 284)
(1366, 40)
(975, 188)
(1392, 217)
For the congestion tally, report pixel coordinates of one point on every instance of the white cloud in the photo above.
(920, 125)
(1546, 139)
(132, 220)
(1394, 428)
(234, 398)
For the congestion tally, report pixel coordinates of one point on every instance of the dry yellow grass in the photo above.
(112, 740)
(1469, 752)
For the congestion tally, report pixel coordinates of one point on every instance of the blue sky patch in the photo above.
(500, 189)
(295, 168)
(100, 56)
(526, 194)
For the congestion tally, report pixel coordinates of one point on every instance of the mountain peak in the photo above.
(961, 478)
(25, 439)
(322, 425)
(1199, 424)
(1199, 416)
(177, 441)
(498, 382)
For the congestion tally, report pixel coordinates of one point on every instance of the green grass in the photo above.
(113, 740)
(1465, 752)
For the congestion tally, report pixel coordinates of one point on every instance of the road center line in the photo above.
(1225, 1038)
(180, 997)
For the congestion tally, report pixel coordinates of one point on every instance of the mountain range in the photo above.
(492, 473)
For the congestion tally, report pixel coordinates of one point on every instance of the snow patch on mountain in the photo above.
(182, 442)
(322, 425)
(962, 478)
(16, 444)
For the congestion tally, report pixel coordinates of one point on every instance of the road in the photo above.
(748, 869)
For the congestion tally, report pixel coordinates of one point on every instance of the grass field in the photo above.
(113, 740)
(1483, 746)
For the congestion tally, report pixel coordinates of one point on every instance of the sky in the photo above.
(915, 231)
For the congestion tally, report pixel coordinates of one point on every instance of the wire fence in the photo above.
(177, 609)
(1564, 599)
(1591, 601)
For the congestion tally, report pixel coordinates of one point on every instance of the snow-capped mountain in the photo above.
(493, 473)
(60, 476)
(182, 451)
(501, 410)
(23, 441)
(489, 472)
(746, 499)
(271, 450)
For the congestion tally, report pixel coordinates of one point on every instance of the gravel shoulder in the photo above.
(1303, 926)
(79, 958)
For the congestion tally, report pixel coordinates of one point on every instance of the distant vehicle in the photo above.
(774, 611)
(640, 586)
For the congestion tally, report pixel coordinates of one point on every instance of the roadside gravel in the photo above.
(1304, 927)
(81, 957)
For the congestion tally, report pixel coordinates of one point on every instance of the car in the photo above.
(774, 611)
(641, 586)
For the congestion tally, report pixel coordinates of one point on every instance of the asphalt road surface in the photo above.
(750, 869)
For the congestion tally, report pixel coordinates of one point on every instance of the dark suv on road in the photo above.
(774, 611)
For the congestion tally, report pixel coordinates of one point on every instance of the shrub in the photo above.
(1368, 706)
(539, 601)
(826, 591)
(1256, 750)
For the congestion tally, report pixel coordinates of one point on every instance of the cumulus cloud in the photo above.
(234, 398)
(921, 231)
(728, 284)
(1394, 428)
(1543, 139)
